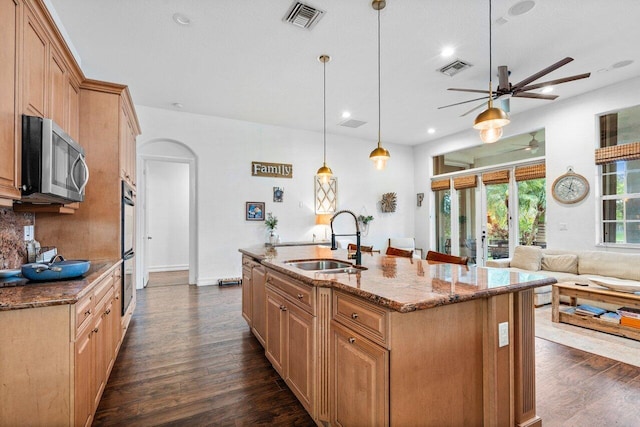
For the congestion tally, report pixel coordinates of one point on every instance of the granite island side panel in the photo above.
(400, 284)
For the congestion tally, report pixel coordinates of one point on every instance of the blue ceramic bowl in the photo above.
(56, 271)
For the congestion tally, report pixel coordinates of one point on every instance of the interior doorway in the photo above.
(167, 214)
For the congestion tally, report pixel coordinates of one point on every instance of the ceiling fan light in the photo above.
(490, 135)
(492, 117)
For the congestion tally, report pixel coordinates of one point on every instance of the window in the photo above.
(619, 157)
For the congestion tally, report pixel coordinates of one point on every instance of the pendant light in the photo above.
(379, 156)
(325, 171)
(491, 120)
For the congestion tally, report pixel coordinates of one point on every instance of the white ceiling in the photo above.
(238, 59)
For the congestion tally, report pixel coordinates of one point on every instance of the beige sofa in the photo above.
(613, 270)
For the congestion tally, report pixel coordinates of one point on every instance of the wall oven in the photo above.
(128, 233)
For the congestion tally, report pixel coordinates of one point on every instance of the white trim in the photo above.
(163, 268)
(193, 206)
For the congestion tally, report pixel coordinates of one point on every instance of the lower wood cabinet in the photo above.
(360, 372)
(258, 303)
(56, 360)
(290, 344)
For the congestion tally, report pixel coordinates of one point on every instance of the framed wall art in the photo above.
(278, 194)
(254, 211)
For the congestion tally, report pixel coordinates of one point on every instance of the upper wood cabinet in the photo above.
(127, 146)
(35, 51)
(9, 142)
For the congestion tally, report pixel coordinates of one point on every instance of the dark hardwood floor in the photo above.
(189, 360)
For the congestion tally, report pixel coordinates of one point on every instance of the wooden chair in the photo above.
(353, 247)
(399, 252)
(406, 244)
(451, 259)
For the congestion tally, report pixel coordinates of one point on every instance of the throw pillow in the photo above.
(527, 258)
(567, 263)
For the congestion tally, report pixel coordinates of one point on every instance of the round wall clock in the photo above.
(570, 187)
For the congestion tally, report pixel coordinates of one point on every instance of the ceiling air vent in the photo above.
(352, 123)
(454, 68)
(303, 16)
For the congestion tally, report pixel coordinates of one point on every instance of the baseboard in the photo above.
(163, 268)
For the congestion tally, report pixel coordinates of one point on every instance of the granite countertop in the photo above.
(400, 284)
(18, 292)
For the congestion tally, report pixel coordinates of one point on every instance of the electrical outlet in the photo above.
(503, 334)
(563, 226)
(28, 233)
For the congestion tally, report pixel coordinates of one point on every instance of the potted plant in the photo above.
(364, 222)
(271, 222)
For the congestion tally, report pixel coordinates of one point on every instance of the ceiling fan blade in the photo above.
(484, 104)
(503, 78)
(555, 82)
(469, 90)
(541, 73)
(463, 102)
(534, 95)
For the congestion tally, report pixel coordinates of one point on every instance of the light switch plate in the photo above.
(28, 233)
(503, 334)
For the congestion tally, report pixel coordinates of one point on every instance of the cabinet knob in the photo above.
(354, 315)
(108, 311)
(300, 296)
(95, 330)
(352, 340)
(88, 312)
(283, 308)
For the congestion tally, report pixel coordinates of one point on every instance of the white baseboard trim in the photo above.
(161, 268)
(207, 281)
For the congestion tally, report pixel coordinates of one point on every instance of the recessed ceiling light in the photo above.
(346, 114)
(447, 51)
(521, 7)
(181, 19)
(431, 131)
(547, 89)
(177, 105)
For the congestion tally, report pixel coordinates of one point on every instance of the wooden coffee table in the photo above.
(592, 296)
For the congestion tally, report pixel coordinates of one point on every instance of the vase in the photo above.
(272, 238)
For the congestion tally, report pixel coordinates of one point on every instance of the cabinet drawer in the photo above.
(303, 295)
(83, 311)
(369, 320)
(249, 262)
(102, 288)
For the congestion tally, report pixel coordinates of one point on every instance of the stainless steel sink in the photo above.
(319, 264)
(326, 266)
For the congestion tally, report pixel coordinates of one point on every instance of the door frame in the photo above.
(142, 214)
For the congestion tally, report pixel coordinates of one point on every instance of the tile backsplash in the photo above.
(13, 252)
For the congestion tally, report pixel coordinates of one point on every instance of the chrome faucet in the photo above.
(333, 235)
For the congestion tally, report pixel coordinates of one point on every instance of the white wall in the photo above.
(224, 150)
(167, 195)
(571, 135)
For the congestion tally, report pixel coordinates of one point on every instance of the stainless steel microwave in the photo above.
(54, 169)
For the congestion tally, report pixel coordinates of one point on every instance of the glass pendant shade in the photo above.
(490, 135)
(379, 157)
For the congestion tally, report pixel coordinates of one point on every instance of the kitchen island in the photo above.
(402, 341)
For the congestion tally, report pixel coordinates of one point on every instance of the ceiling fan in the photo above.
(531, 146)
(522, 89)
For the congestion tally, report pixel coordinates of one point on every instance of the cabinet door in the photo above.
(300, 351)
(360, 379)
(246, 294)
(83, 373)
(275, 339)
(73, 110)
(99, 360)
(35, 50)
(9, 181)
(58, 93)
(258, 305)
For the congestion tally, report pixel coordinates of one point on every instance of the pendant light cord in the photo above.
(324, 112)
(379, 108)
(490, 61)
